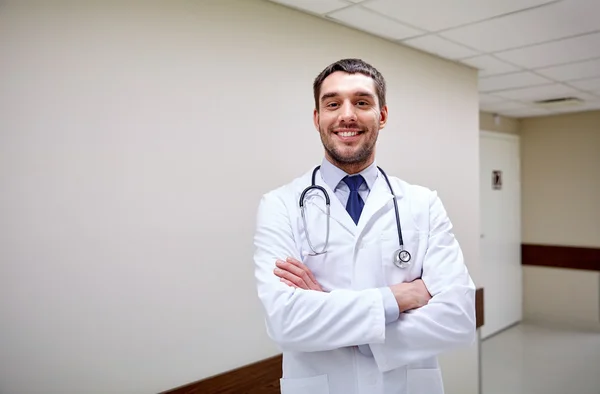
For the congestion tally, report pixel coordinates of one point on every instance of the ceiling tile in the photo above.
(489, 99)
(508, 81)
(316, 6)
(371, 22)
(489, 65)
(550, 22)
(590, 85)
(525, 112)
(504, 106)
(556, 52)
(587, 106)
(439, 46)
(545, 92)
(434, 15)
(355, 1)
(567, 72)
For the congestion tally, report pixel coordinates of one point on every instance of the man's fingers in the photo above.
(287, 282)
(297, 273)
(298, 270)
(424, 287)
(290, 277)
(302, 267)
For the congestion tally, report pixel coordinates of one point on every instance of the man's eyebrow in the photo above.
(360, 93)
(364, 94)
(329, 95)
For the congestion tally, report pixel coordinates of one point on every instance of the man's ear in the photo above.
(316, 119)
(383, 116)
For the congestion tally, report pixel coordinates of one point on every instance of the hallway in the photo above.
(528, 359)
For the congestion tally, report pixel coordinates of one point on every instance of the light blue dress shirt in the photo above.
(333, 176)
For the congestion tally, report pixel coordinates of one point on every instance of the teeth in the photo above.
(348, 133)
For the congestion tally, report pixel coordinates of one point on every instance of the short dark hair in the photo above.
(351, 66)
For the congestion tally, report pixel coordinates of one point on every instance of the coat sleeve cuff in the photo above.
(392, 311)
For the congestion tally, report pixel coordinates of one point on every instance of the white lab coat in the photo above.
(319, 332)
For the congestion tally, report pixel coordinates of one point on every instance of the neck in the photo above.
(350, 168)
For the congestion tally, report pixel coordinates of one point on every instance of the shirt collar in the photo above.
(333, 175)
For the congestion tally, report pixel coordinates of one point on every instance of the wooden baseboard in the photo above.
(263, 376)
(556, 256)
(479, 312)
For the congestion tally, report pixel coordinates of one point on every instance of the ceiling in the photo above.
(526, 51)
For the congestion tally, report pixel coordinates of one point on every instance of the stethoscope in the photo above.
(401, 256)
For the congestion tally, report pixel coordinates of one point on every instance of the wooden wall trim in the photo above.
(263, 376)
(479, 313)
(556, 256)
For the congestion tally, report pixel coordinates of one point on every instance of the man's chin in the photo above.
(348, 159)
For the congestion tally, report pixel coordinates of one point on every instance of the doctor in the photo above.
(349, 314)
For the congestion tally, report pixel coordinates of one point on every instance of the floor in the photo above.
(528, 359)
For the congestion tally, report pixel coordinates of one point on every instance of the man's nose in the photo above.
(348, 113)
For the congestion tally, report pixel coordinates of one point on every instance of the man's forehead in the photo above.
(340, 81)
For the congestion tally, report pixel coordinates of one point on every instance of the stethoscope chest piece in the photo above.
(401, 258)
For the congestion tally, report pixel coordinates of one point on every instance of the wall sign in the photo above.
(497, 180)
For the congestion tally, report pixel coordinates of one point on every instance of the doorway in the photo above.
(500, 242)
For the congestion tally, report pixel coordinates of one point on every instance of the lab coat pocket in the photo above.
(313, 385)
(424, 381)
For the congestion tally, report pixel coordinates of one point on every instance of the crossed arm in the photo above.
(408, 295)
(437, 310)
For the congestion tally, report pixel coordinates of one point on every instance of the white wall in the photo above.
(136, 139)
(503, 124)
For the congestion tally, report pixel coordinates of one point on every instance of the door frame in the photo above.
(514, 138)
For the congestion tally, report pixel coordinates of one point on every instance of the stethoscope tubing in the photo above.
(400, 261)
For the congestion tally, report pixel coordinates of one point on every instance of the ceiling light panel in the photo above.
(550, 22)
(435, 15)
(489, 65)
(568, 72)
(440, 46)
(372, 22)
(554, 53)
(508, 81)
(314, 6)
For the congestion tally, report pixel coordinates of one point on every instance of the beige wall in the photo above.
(561, 297)
(561, 183)
(137, 139)
(504, 124)
(560, 160)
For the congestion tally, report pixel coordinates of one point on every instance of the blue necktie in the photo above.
(355, 203)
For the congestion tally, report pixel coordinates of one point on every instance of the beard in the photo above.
(360, 156)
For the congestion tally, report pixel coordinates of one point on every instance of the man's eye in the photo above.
(332, 105)
(363, 103)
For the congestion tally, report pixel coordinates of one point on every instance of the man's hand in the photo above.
(295, 274)
(411, 295)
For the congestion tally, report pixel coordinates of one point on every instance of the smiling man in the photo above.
(350, 111)
(362, 281)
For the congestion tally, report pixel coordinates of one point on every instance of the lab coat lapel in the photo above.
(338, 211)
(378, 198)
